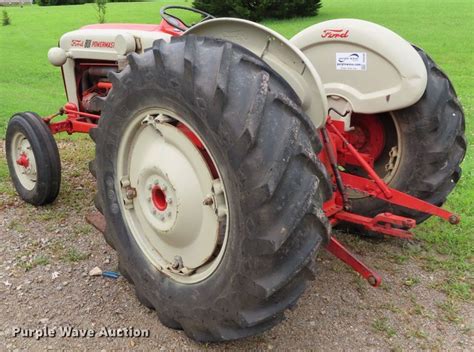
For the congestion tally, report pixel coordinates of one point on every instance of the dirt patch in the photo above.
(46, 254)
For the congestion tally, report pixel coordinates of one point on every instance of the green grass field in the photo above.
(444, 29)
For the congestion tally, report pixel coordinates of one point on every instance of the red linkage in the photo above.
(336, 142)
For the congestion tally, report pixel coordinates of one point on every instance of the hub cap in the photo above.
(24, 161)
(175, 208)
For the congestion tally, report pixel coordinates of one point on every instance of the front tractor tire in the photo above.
(430, 147)
(209, 183)
(33, 159)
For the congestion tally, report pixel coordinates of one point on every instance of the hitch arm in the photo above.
(368, 187)
(376, 187)
(338, 250)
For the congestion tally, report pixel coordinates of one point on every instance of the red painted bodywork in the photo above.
(162, 27)
(361, 147)
(76, 121)
(337, 249)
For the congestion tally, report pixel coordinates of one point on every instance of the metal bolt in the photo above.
(169, 200)
(131, 193)
(162, 218)
(153, 211)
(149, 187)
(177, 263)
(208, 200)
(169, 214)
(149, 199)
(157, 182)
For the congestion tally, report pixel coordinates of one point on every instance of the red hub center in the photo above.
(368, 135)
(159, 198)
(23, 160)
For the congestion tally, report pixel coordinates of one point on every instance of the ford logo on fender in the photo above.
(335, 33)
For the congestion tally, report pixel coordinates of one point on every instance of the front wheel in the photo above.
(33, 159)
(209, 183)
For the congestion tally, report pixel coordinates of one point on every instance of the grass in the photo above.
(40, 260)
(382, 325)
(419, 334)
(29, 82)
(411, 281)
(450, 311)
(73, 255)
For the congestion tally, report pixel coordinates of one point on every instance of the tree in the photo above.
(256, 10)
(5, 18)
(101, 7)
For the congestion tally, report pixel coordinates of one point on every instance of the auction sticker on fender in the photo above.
(351, 61)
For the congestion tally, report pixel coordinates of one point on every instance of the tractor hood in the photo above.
(109, 42)
(102, 43)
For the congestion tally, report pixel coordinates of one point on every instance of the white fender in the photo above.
(284, 57)
(368, 65)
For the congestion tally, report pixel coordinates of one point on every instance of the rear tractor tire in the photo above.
(33, 159)
(208, 179)
(430, 146)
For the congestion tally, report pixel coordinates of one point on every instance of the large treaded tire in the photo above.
(265, 148)
(433, 145)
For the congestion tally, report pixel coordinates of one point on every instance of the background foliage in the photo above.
(73, 2)
(257, 10)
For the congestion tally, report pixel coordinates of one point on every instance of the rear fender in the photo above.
(282, 56)
(368, 65)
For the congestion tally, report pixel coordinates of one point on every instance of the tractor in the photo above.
(226, 155)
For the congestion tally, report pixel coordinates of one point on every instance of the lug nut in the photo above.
(131, 193)
(169, 200)
(149, 187)
(208, 200)
(177, 263)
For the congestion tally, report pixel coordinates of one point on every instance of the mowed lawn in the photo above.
(444, 29)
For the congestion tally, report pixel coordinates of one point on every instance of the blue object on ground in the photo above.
(110, 274)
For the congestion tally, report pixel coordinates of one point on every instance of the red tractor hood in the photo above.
(162, 27)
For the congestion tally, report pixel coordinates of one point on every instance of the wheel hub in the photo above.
(25, 163)
(368, 135)
(23, 160)
(174, 225)
(157, 198)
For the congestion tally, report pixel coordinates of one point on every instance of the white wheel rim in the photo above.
(24, 161)
(395, 154)
(175, 209)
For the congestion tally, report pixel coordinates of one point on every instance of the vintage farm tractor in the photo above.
(225, 154)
